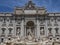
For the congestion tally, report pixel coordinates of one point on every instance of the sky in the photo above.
(50, 5)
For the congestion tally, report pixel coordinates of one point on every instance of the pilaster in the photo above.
(38, 29)
(22, 28)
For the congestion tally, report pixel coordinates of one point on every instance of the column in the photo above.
(22, 28)
(38, 29)
(46, 28)
(25, 31)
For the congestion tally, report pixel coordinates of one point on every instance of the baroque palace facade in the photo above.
(29, 23)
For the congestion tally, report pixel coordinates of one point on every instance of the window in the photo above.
(49, 23)
(10, 24)
(4, 21)
(3, 30)
(57, 38)
(8, 19)
(52, 19)
(2, 39)
(50, 38)
(55, 24)
(1, 19)
(10, 30)
(9, 38)
(4, 24)
(50, 29)
(18, 22)
(42, 22)
(58, 19)
(56, 29)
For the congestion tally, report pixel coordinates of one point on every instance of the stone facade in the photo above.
(30, 21)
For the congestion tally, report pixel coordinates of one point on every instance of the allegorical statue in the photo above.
(18, 31)
(30, 35)
(42, 31)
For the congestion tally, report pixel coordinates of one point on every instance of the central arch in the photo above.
(30, 28)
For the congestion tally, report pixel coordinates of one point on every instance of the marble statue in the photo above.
(18, 32)
(42, 31)
(29, 36)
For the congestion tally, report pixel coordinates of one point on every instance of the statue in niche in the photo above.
(29, 31)
(18, 31)
(42, 31)
(30, 35)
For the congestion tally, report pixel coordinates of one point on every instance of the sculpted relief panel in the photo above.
(18, 12)
(41, 11)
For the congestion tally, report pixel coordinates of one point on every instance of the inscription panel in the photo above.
(30, 11)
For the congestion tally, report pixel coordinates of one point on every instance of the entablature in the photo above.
(54, 14)
(6, 14)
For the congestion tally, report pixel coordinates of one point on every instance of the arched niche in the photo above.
(30, 27)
